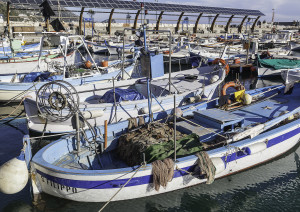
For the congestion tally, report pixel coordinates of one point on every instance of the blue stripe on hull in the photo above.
(108, 184)
(116, 183)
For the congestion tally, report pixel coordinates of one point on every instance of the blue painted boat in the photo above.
(235, 140)
(26, 83)
(6, 49)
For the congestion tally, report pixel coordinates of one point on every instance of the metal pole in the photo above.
(77, 132)
(115, 104)
(7, 20)
(175, 127)
(92, 28)
(145, 37)
(87, 50)
(149, 103)
(83, 27)
(123, 54)
(170, 63)
(248, 46)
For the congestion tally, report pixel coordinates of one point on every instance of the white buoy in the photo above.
(214, 79)
(13, 175)
(219, 164)
(89, 114)
(247, 99)
(154, 108)
(255, 148)
(194, 99)
(47, 60)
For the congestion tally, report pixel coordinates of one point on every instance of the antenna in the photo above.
(273, 14)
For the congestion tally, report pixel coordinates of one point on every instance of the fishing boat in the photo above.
(270, 67)
(13, 88)
(119, 100)
(7, 45)
(291, 76)
(29, 63)
(96, 48)
(225, 142)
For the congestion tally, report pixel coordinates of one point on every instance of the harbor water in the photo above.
(274, 186)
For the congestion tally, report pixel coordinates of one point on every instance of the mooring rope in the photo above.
(13, 110)
(121, 188)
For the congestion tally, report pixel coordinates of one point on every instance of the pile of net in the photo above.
(205, 167)
(163, 171)
(156, 141)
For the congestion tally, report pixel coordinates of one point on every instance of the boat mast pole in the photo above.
(175, 127)
(149, 101)
(123, 54)
(7, 18)
(115, 105)
(170, 64)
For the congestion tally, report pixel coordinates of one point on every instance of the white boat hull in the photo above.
(79, 186)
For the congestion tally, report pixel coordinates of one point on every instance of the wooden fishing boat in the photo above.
(229, 141)
(234, 141)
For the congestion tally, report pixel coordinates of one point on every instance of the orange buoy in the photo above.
(88, 64)
(104, 63)
(237, 61)
(223, 62)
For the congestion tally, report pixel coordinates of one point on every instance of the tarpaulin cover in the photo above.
(41, 77)
(121, 95)
(238, 96)
(186, 146)
(280, 63)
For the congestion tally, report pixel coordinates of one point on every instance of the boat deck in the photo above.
(215, 120)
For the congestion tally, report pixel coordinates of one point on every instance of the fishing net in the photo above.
(205, 167)
(156, 141)
(162, 171)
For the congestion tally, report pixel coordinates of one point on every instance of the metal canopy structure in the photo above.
(133, 5)
(153, 6)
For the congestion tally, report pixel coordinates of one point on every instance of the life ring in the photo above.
(223, 62)
(237, 87)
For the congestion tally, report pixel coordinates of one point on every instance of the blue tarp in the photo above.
(121, 95)
(41, 77)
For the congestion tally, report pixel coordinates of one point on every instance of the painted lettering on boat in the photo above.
(59, 186)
